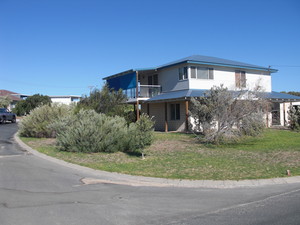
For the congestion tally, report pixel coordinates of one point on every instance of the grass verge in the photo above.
(179, 156)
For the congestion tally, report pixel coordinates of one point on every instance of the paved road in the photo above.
(36, 191)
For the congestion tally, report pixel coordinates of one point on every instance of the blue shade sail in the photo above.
(124, 82)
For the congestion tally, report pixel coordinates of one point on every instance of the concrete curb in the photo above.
(123, 179)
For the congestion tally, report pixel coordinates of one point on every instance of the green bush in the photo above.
(37, 124)
(88, 131)
(253, 124)
(140, 134)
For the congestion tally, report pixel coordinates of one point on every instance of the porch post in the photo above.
(267, 116)
(137, 95)
(284, 122)
(166, 117)
(186, 115)
(148, 109)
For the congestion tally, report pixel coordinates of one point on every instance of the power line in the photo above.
(285, 65)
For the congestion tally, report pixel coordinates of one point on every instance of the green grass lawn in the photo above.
(179, 156)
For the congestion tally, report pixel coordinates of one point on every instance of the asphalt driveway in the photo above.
(38, 191)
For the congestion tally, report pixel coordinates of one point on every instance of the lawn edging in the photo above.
(100, 176)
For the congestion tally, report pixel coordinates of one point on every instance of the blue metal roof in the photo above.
(182, 94)
(201, 60)
(208, 60)
(278, 95)
(188, 93)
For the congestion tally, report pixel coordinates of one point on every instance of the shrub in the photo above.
(88, 131)
(223, 116)
(253, 124)
(140, 134)
(294, 117)
(37, 124)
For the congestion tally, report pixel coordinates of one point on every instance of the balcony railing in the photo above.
(144, 91)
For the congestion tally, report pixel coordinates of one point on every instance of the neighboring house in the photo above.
(164, 92)
(65, 99)
(15, 97)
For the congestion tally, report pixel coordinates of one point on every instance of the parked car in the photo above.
(5, 115)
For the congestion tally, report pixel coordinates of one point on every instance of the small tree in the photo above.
(223, 115)
(24, 107)
(107, 101)
(4, 101)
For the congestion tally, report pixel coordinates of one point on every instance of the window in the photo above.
(175, 111)
(202, 73)
(183, 74)
(240, 79)
(153, 80)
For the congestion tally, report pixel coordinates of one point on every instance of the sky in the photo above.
(66, 47)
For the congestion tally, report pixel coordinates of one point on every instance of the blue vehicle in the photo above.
(5, 115)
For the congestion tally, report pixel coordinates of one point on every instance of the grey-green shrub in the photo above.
(294, 118)
(88, 131)
(36, 124)
(253, 124)
(140, 134)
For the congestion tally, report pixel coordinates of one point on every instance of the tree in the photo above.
(4, 101)
(24, 107)
(223, 115)
(291, 93)
(107, 101)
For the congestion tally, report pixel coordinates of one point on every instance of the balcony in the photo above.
(144, 91)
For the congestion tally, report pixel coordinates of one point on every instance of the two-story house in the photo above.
(164, 92)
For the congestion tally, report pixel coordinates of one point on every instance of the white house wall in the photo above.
(66, 101)
(226, 76)
(168, 79)
(256, 78)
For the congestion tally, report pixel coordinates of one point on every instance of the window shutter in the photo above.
(237, 79)
(243, 79)
(193, 72)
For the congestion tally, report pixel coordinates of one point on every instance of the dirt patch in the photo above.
(43, 142)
